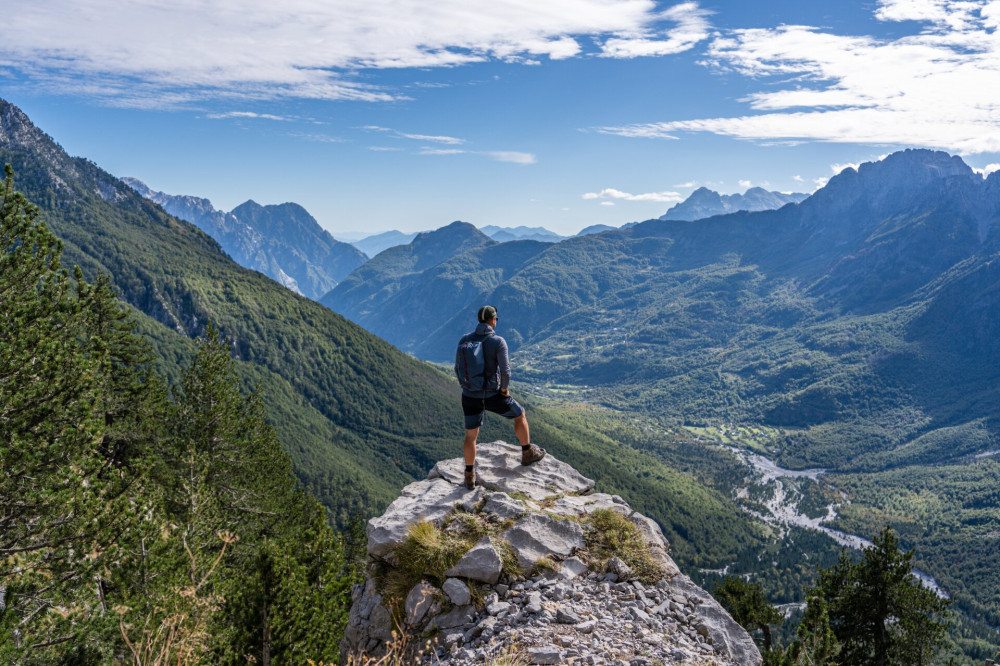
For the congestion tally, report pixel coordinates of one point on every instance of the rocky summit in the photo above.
(533, 566)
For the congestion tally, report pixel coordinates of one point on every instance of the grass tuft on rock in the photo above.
(428, 551)
(609, 534)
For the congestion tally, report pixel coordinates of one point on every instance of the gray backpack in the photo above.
(470, 363)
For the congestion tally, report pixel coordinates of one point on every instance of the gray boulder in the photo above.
(457, 592)
(727, 637)
(537, 535)
(498, 467)
(422, 500)
(419, 601)
(481, 562)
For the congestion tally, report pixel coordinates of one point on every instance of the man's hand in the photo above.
(504, 392)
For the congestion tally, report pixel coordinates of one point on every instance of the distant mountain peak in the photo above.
(704, 202)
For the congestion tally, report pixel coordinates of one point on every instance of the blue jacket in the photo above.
(496, 359)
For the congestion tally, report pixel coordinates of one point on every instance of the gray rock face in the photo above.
(499, 468)
(481, 563)
(503, 505)
(419, 601)
(574, 612)
(713, 622)
(537, 535)
(423, 500)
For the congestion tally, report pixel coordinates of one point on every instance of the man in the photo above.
(482, 367)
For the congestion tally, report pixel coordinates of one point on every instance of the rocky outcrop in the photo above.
(532, 575)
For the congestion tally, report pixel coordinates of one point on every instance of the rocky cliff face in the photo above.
(532, 563)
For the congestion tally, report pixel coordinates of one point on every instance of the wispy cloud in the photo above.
(449, 140)
(513, 156)
(133, 53)
(988, 169)
(690, 26)
(611, 193)
(937, 88)
(247, 115)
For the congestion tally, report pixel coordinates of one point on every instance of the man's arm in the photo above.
(503, 365)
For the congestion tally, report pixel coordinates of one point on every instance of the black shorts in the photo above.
(475, 408)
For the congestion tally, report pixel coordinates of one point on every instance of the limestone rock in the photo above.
(498, 467)
(573, 614)
(457, 592)
(422, 500)
(503, 505)
(580, 505)
(419, 601)
(536, 536)
(481, 562)
(725, 634)
(546, 654)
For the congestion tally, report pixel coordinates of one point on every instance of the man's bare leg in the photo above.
(469, 448)
(520, 429)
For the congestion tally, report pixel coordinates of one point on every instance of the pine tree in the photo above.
(816, 644)
(51, 501)
(879, 611)
(745, 601)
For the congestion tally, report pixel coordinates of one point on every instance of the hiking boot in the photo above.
(532, 454)
(470, 479)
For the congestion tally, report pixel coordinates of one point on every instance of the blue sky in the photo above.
(394, 114)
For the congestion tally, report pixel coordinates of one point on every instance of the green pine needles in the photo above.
(140, 524)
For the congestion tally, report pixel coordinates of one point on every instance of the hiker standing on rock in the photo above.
(483, 369)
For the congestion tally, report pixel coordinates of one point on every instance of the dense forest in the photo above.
(143, 524)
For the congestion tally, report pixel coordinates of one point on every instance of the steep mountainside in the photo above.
(281, 241)
(704, 202)
(359, 418)
(375, 283)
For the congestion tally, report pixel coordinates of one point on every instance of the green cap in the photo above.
(486, 313)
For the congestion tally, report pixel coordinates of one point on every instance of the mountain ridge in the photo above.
(283, 241)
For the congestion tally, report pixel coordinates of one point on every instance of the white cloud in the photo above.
(449, 140)
(149, 52)
(797, 178)
(837, 168)
(443, 151)
(690, 27)
(687, 185)
(937, 88)
(988, 169)
(607, 203)
(385, 149)
(513, 156)
(246, 114)
(745, 184)
(611, 193)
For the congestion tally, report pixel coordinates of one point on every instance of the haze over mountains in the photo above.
(704, 202)
(281, 241)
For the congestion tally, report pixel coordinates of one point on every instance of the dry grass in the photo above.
(609, 534)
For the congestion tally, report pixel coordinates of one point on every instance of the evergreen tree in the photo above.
(52, 522)
(816, 644)
(745, 601)
(879, 611)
